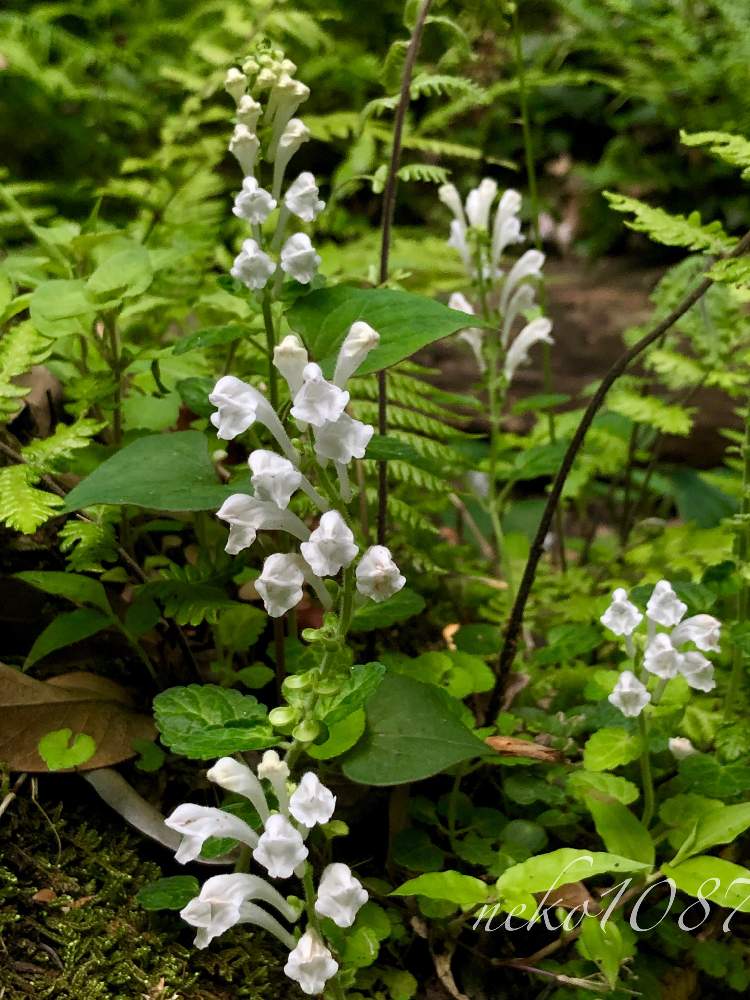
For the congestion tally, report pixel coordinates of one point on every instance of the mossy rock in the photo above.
(70, 927)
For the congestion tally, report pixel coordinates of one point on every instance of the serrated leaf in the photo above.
(672, 230)
(362, 683)
(23, 507)
(608, 749)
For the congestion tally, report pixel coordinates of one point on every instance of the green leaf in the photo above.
(341, 737)
(463, 890)
(204, 721)
(698, 500)
(169, 893)
(405, 604)
(61, 307)
(721, 826)
(580, 783)
(568, 864)
(405, 322)
(671, 230)
(604, 946)
(731, 149)
(364, 681)
(413, 849)
(713, 878)
(161, 471)
(621, 832)
(413, 731)
(76, 587)
(23, 507)
(210, 336)
(240, 626)
(123, 274)
(481, 639)
(608, 749)
(58, 753)
(65, 630)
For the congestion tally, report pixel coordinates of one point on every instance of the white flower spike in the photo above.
(520, 301)
(197, 823)
(299, 259)
(331, 546)
(280, 848)
(225, 900)
(479, 202)
(472, 335)
(253, 204)
(457, 240)
(280, 583)
(275, 478)
(340, 895)
(703, 630)
(664, 606)
(311, 801)
(252, 266)
(359, 341)
(680, 747)
(629, 695)
(507, 226)
(528, 265)
(661, 658)
(301, 198)
(311, 964)
(244, 146)
(290, 358)
(239, 405)
(378, 576)
(294, 134)
(448, 194)
(233, 776)
(246, 516)
(319, 401)
(622, 616)
(535, 332)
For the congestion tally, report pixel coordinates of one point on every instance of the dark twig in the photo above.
(389, 207)
(515, 621)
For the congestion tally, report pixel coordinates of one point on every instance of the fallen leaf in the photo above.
(509, 746)
(44, 896)
(81, 702)
(570, 896)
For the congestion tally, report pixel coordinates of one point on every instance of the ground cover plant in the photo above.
(328, 671)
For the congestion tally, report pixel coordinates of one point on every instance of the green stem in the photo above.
(647, 780)
(137, 649)
(741, 549)
(273, 389)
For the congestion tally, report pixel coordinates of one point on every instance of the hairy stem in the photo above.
(647, 780)
(389, 207)
(508, 653)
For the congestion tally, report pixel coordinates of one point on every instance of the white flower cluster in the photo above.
(481, 257)
(281, 135)
(319, 405)
(227, 900)
(665, 655)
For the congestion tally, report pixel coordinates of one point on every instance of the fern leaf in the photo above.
(671, 230)
(21, 347)
(186, 602)
(665, 417)
(427, 172)
(23, 507)
(432, 84)
(45, 454)
(731, 149)
(89, 544)
(403, 515)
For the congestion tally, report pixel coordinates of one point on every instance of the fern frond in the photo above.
(404, 515)
(89, 544)
(21, 347)
(409, 420)
(23, 507)
(665, 417)
(186, 602)
(337, 125)
(411, 475)
(45, 454)
(731, 149)
(432, 84)
(426, 172)
(671, 230)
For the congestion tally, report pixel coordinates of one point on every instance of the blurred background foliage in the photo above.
(123, 102)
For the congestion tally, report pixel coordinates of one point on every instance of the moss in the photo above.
(70, 927)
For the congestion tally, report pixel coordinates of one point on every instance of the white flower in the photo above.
(233, 776)
(478, 203)
(280, 848)
(290, 357)
(311, 801)
(472, 335)
(246, 516)
(254, 204)
(272, 768)
(622, 617)
(521, 300)
(239, 405)
(680, 747)
(273, 477)
(457, 240)
(359, 341)
(280, 583)
(507, 227)
(331, 546)
(703, 630)
(290, 140)
(235, 84)
(318, 401)
(629, 695)
(248, 112)
(535, 332)
(197, 823)
(342, 440)
(664, 606)
(252, 266)
(302, 199)
(244, 146)
(448, 194)
(378, 576)
(286, 97)
(528, 265)
(661, 658)
(299, 259)
(698, 671)
(340, 895)
(311, 964)
(224, 901)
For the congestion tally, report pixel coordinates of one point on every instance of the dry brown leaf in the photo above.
(509, 746)
(570, 896)
(44, 896)
(81, 702)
